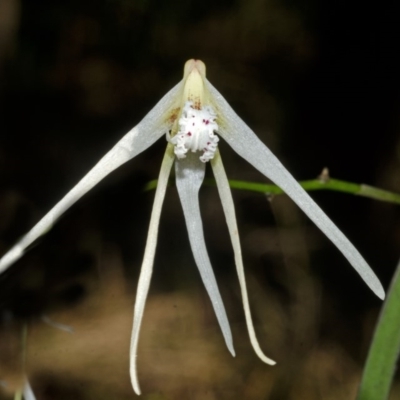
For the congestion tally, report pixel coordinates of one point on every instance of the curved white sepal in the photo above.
(230, 216)
(138, 139)
(245, 142)
(189, 177)
(147, 265)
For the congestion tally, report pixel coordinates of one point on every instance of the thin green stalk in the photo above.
(309, 185)
(24, 336)
(384, 351)
(19, 394)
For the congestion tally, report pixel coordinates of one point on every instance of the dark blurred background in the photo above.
(317, 81)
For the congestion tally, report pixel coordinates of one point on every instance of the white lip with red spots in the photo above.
(196, 132)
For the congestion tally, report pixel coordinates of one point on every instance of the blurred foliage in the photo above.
(317, 81)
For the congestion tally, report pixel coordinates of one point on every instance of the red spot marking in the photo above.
(208, 143)
(189, 133)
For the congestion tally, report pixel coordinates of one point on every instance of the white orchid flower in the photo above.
(191, 115)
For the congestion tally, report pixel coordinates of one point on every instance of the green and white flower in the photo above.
(193, 115)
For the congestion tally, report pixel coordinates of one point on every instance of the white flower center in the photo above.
(196, 132)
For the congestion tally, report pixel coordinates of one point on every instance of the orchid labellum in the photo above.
(193, 116)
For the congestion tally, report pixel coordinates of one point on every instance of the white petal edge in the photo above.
(27, 391)
(57, 325)
(148, 261)
(189, 177)
(245, 142)
(230, 216)
(152, 127)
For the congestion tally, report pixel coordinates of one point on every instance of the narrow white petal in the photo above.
(229, 211)
(148, 260)
(189, 177)
(27, 391)
(152, 127)
(245, 142)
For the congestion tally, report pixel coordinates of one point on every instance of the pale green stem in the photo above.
(310, 185)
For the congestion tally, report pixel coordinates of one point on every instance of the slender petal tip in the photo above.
(370, 279)
(133, 375)
(380, 292)
(231, 350)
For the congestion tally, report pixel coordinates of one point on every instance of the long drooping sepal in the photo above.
(230, 216)
(189, 177)
(152, 127)
(148, 260)
(245, 142)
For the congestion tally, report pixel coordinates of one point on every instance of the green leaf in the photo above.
(384, 351)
